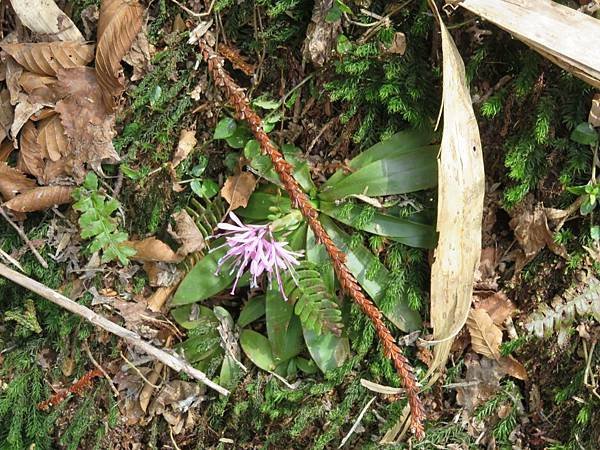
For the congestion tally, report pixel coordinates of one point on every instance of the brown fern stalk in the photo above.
(348, 283)
(76, 388)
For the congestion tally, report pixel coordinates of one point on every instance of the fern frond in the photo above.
(315, 306)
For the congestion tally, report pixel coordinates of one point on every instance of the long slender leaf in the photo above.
(358, 260)
(407, 172)
(396, 228)
(283, 327)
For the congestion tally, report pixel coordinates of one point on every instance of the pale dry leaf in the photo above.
(55, 171)
(152, 249)
(321, 35)
(174, 395)
(31, 154)
(140, 55)
(6, 114)
(39, 86)
(486, 337)
(148, 390)
(120, 22)
(238, 189)
(187, 234)
(482, 381)
(40, 198)
(52, 138)
(594, 116)
(398, 45)
(498, 306)
(87, 124)
(47, 58)
(530, 225)
(44, 17)
(42, 114)
(158, 299)
(23, 112)
(513, 368)
(13, 181)
(13, 74)
(461, 187)
(187, 142)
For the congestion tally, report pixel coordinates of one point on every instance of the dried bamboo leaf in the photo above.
(13, 181)
(460, 207)
(40, 198)
(486, 337)
(52, 138)
(31, 154)
(44, 17)
(120, 22)
(46, 58)
(557, 32)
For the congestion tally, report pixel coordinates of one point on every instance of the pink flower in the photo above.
(254, 247)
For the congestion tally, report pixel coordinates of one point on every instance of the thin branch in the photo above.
(86, 347)
(300, 200)
(23, 236)
(171, 360)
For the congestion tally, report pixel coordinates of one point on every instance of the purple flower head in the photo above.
(254, 247)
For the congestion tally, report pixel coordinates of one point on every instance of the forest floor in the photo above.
(127, 229)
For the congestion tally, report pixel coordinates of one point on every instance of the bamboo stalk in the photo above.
(238, 99)
(130, 337)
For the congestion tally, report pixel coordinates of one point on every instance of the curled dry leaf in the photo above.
(31, 154)
(52, 138)
(238, 189)
(39, 87)
(44, 17)
(6, 114)
(152, 249)
(513, 368)
(187, 233)
(140, 54)
(13, 181)
(486, 337)
(398, 45)
(120, 22)
(187, 142)
(6, 148)
(46, 58)
(40, 198)
(498, 306)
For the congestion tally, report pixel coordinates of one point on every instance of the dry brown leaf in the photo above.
(486, 337)
(482, 381)
(6, 114)
(39, 86)
(31, 154)
(187, 234)
(594, 116)
(187, 142)
(530, 225)
(55, 170)
(238, 189)
(321, 35)
(148, 390)
(140, 54)
(44, 17)
(398, 45)
(514, 368)
(6, 148)
(160, 297)
(23, 112)
(40, 198)
(152, 249)
(46, 58)
(13, 181)
(87, 124)
(120, 22)
(52, 138)
(498, 306)
(461, 186)
(13, 74)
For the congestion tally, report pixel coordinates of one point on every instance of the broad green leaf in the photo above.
(230, 372)
(225, 128)
(358, 260)
(307, 366)
(283, 327)
(258, 349)
(253, 310)
(334, 14)
(327, 350)
(585, 134)
(201, 282)
(261, 205)
(586, 207)
(199, 168)
(595, 233)
(239, 138)
(301, 169)
(194, 349)
(407, 172)
(578, 190)
(396, 228)
(265, 103)
(399, 143)
(209, 189)
(191, 316)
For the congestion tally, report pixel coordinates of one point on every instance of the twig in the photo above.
(86, 347)
(140, 374)
(172, 438)
(25, 239)
(356, 422)
(240, 102)
(11, 260)
(173, 361)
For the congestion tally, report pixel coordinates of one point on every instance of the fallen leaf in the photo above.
(461, 187)
(481, 382)
(39, 87)
(161, 273)
(177, 396)
(186, 233)
(485, 336)
(89, 18)
(44, 17)
(52, 138)
(398, 45)
(152, 249)
(46, 58)
(530, 225)
(6, 114)
(13, 181)
(498, 306)
(140, 55)
(160, 297)
(148, 390)
(594, 116)
(31, 155)
(23, 111)
(120, 22)
(321, 35)
(187, 142)
(40, 198)
(6, 148)
(514, 368)
(238, 189)
(13, 75)
(87, 124)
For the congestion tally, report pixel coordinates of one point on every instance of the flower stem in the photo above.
(238, 100)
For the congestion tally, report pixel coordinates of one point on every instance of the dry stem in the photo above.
(349, 284)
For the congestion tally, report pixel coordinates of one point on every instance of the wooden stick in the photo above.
(130, 337)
